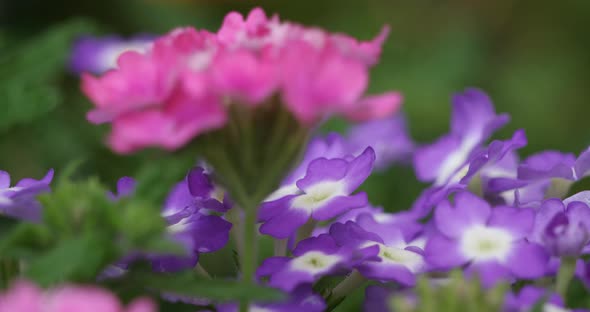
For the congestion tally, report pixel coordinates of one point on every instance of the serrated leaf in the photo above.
(75, 259)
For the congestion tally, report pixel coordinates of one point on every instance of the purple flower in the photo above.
(313, 258)
(19, 201)
(187, 224)
(452, 161)
(377, 299)
(396, 260)
(491, 241)
(332, 146)
(301, 299)
(388, 137)
(97, 55)
(473, 121)
(324, 193)
(563, 229)
(529, 296)
(196, 231)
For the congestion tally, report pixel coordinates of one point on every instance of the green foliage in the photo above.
(458, 294)
(29, 73)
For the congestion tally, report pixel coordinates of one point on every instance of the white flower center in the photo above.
(290, 189)
(484, 243)
(315, 262)
(391, 255)
(317, 195)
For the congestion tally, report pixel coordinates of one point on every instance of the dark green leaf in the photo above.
(76, 259)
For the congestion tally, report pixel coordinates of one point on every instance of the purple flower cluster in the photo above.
(486, 212)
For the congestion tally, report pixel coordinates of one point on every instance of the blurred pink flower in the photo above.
(26, 297)
(184, 84)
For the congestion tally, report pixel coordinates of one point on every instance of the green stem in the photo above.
(566, 272)
(201, 271)
(306, 230)
(280, 247)
(248, 258)
(346, 287)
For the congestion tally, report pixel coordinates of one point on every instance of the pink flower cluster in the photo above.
(26, 297)
(184, 84)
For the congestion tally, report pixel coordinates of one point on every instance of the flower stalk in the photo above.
(565, 275)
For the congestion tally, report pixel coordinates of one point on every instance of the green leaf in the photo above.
(76, 259)
(7, 224)
(192, 285)
(29, 71)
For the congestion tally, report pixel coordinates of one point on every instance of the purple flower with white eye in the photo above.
(388, 137)
(313, 258)
(97, 55)
(491, 241)
(19, 201)
(206, 193)
(332, 146)
(301, 299)
(473, 121)
(324, 193)
(195, 231)
(564, 229)
(529, 296)
(483, 162)
(396, 260)
(453, 160)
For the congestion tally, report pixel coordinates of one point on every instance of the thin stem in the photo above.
(344, 288)
(233, 216)
(280, 247)
(201, 271)
(248, 258)
(306, 230)
(566, 272)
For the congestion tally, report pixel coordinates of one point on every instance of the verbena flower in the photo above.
(492, 242)
(19, 200)
(312, 258)
(455, 159)
(563, 229)
(397, 260)
(98, 54)
(26, 297)
(324, 193)
(186, 82)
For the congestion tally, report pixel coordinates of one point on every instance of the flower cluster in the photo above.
(185, 82)
(499, 219)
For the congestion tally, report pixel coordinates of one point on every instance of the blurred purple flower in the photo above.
(19, 201)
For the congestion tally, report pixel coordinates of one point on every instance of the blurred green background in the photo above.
(533, 57)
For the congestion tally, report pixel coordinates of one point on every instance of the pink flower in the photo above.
(183, 86)
(26, 297)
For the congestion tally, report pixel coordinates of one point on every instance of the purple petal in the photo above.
(443, 253)
(359, 169)
(490, 272)
(519, 222)
(384, 272)
(271, 265)
(287, 280)
(4, 180)
(199, 183)
(582, 165)
(285, 224)
(527, 260)
(321, 170)
(125, 187)
(209, 233)
(324, 243)
(339, 205)
(351, 233)
(178, 199)
(269, 210)
(469, 210)
(430, 161)
(474, 115)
